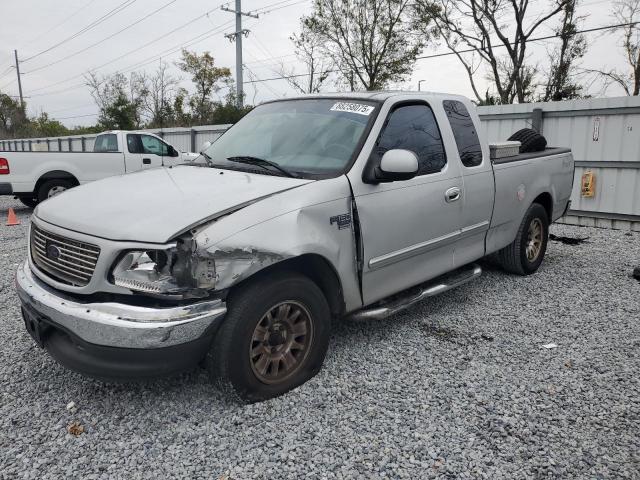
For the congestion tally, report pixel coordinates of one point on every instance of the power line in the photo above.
(69, 17)
(98, 21)
(104, 39)
(444, 54)
(138, 48)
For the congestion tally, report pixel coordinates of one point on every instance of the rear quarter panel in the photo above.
(518, 184)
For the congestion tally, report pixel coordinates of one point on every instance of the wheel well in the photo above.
(318, 269)
(55, 174)
(546, 201)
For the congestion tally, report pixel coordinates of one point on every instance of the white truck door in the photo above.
(154, 151)
(409, 227)
(477, 181)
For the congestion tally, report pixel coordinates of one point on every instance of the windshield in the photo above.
(307, 138)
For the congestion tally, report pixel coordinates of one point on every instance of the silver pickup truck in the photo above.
(307, 211)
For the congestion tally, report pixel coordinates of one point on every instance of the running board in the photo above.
(399, 302)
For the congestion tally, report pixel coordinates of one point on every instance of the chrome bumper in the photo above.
(117, 324)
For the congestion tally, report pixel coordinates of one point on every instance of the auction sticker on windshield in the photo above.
(358, 108)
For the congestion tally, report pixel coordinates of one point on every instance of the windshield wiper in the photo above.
(261, 162)
(207, 158)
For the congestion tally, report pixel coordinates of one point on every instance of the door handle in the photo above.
(146, 161)
(452, 195)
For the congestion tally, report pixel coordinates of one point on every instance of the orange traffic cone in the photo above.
(12, 219)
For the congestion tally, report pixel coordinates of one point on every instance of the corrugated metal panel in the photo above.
(597, 130)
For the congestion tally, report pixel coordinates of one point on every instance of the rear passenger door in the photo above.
(409, 227)
(477, 182)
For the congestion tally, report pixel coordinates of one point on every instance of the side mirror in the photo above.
(173, 152)
(204, 146)
(397, 165)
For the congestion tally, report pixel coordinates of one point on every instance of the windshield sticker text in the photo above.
(358, 108)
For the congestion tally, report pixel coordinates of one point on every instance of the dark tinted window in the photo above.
(106, 143)
(414, 128)
(134, 145)
(464, 132)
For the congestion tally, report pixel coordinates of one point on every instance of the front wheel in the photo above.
(274, 337)
(526, 253)
(30, 202)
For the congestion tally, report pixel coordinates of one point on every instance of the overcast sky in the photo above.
(33, 27)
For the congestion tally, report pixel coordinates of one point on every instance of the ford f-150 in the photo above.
(307, 211)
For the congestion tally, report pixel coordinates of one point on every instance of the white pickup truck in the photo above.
(308, 210)
(35, 176)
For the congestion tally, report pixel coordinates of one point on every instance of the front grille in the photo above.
(63, 259)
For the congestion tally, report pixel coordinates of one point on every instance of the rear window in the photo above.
(464, 131)
(106, 143)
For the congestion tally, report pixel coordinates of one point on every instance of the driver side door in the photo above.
(408, 227)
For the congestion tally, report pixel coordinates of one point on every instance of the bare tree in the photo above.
(371, 42)
(626, 12)
(162, 89)
(560, 84)
(309, 50)
(474, 25)
(119, 98)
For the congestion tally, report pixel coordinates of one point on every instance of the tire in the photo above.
(530, 140)
(230, 361)
(57, 185)
(516, 257)
(30, 202)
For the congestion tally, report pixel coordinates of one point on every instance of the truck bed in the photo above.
(528, 156)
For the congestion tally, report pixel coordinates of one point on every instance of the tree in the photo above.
(626, 12)
(119, 98)
(560, 85)
(43, 126)
(162, 90)
(308, 49)
(206, 78)
(371, 42)
(475, 24)
(12, 116)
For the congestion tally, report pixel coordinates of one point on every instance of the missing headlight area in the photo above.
(184, 270)
(176, 270)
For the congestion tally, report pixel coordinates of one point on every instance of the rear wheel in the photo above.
(527, 251)
(54, 187)
(274, 337)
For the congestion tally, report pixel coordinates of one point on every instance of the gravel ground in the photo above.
(457, 387)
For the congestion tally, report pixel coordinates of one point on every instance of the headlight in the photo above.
(174, 271)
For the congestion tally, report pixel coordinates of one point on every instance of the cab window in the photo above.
(414, 128)
(154, 145)
(106, 143)
(464, 131)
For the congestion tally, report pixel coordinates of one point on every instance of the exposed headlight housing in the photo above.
(174, 271)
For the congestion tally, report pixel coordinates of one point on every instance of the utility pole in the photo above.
(237, 37)
(19, 80)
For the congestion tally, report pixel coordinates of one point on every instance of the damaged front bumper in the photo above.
(113, 340)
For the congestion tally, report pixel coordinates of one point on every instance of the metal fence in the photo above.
(603, 133)
(184, 139)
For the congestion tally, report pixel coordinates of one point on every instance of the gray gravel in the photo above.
(457, 387)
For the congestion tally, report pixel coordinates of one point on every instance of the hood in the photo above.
(154, 205)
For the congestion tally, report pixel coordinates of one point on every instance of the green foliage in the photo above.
(371, 42)
(206, 78)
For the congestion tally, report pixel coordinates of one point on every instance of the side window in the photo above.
(414, 128)
(153, 145)
(106, 143)
(464, 131)
(133, 143)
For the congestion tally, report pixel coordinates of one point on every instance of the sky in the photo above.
(53, 66)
